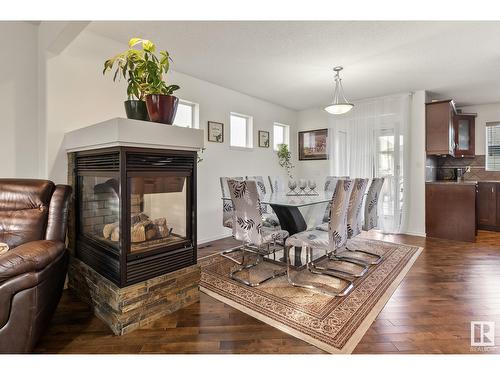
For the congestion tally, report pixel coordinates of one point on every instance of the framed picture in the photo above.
(263, 138)
(215, 132)
(313, 145)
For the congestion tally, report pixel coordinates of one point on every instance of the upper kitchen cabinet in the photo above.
(439, 126)
(464, 125)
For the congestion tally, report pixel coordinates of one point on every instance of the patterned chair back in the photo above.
(261, 189)
(331, 183)
(247, 223)
(277, 183)
(338, 213)
(355, 205)
(371, 204)
(227, 205)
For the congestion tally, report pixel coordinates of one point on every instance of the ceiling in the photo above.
(290, 63)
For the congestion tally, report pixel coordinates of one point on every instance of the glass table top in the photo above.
(283, 199)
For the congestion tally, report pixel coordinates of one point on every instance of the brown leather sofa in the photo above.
(33, 222)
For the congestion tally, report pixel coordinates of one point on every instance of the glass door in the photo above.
(389, 154)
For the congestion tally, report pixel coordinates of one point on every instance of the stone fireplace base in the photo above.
(126, 309)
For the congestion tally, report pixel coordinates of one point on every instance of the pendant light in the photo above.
(340, 105)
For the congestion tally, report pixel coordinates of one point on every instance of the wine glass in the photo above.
(302, 185)
(292, 185)
(312, 185)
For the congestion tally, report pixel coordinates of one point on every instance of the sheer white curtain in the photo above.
(372, 141)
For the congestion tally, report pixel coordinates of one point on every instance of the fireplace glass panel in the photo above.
(100, 209)
(158, 207)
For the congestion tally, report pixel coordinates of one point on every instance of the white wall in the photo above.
(19, 100)
(78, 95)
(485, 113)
(310, 119)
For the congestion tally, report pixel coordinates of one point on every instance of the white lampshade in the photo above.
(339, 109)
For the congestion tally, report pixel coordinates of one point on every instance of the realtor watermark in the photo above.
(482, 336)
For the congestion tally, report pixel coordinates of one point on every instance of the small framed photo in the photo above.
(263, 139)
(215, 132)
(313, 145)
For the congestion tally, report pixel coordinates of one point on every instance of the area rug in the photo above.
(334, 324)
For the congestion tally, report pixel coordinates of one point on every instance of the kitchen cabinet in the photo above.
(440, 128)
(450, 210)
(464, 132)
(488, 205)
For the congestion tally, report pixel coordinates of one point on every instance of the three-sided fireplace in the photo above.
(135, 211)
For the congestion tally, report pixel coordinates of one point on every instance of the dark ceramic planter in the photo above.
(136, 110)
(162, 108)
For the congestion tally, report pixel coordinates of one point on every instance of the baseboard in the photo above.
(215, 238)
(419, 234)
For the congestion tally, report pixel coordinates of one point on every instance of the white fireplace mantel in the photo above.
(133, 133)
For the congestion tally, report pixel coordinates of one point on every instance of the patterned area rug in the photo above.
(334, 324)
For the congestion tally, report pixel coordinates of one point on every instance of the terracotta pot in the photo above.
(162, 108)
(136, 110)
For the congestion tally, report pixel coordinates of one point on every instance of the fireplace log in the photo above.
(108, 229)
(138, 233)
(142, 229)
(161, 225)
(115, 235)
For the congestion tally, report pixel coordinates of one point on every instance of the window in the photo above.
(281, 134)
(493, 146)
(241, 131)
(187, 114)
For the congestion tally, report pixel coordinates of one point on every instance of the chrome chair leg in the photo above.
(226, 253)
(235, 249)
(333, 258)
(378, 258)
(292, 282)
(233, 274)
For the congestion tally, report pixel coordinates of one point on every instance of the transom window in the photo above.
(187, 114)
(493, 146)
(281, 135)
(241, 130)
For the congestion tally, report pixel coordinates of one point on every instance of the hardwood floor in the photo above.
(449, 285)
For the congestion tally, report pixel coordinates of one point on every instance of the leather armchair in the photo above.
(33, 222)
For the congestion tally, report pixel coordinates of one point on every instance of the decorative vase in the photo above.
(136, 110)
(162, 108)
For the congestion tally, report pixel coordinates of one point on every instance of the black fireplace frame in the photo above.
(120, 266)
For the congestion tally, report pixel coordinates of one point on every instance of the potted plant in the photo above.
(161, 104)
(285, 159)
(130, 65)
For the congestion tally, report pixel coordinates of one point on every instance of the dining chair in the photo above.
(330, 184)
(277, 184)
(268, 215)
(329, 241)
(371, 204)
(354, 222)
(337, 224)
(227, 205)
(248, 227)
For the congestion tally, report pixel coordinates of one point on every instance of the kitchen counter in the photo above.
(450, 210)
